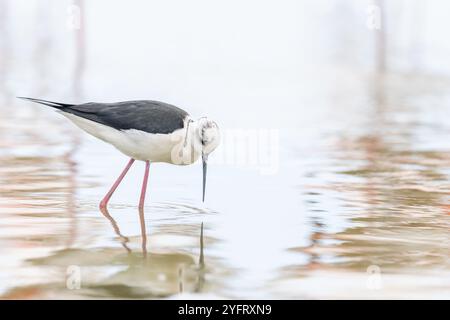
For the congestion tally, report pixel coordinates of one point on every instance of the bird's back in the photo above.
(144, 115)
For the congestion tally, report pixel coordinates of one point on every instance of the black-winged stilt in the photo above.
(145, 130)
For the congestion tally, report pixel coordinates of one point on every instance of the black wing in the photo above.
(145, 115)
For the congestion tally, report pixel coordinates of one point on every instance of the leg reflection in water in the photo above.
(159, 269)
(123, 240)
(143, 231)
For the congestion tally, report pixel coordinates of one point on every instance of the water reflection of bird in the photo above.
(158, 275)
(149, 131)
(162, 273)
(123, 239)
(199, 270)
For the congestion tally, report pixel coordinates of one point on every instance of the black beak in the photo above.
(205, 164)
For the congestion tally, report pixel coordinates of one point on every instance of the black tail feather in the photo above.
(48, 103)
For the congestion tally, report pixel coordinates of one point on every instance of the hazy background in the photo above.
(351, 118)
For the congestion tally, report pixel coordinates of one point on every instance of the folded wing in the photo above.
(144, 115)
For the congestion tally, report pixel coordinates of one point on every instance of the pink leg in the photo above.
(105, 200)
(144, 185)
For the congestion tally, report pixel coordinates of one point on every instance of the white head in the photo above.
(209, 139)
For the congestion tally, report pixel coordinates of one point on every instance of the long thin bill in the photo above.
(205, 164)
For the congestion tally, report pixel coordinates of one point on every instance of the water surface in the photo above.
(358, 208)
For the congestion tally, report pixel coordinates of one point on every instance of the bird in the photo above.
(144, 130)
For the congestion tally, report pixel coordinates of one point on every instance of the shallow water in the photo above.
(358, 208)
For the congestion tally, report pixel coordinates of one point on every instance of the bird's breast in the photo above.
(170, 148)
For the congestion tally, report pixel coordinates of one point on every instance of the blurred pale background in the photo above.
(352, 118)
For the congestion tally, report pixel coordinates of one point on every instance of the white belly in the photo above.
(138, 144)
